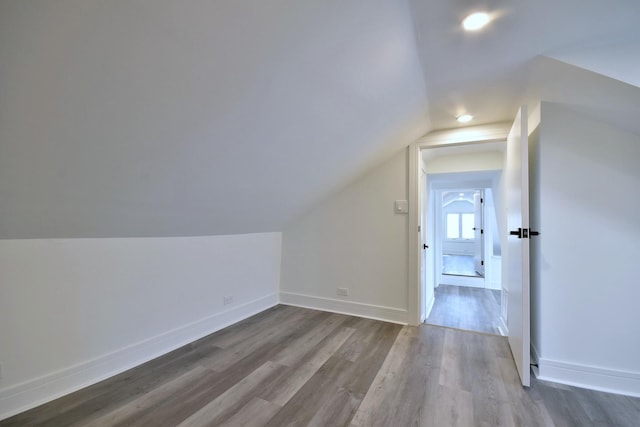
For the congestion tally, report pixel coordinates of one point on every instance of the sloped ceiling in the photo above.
(487, 73)
(164, 118)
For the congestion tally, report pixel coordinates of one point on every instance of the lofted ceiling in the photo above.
(165, 118)
(486, 73)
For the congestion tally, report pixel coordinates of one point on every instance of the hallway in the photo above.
(461, 307)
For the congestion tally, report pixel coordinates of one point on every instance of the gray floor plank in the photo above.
(298, 367)
(463, 307)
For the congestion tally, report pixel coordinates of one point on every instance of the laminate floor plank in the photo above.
(222, 408)
(292, 366)
(299, 347)
(467, 308)
(347, 374)
(100, 397)
(286, 328)
(256, 413)
(147, 401)
(385, 403)
(283, 389)
(249, 329)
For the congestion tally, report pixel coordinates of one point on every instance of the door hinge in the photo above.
(481, 200)
(481, 231)
(418, 229)
(481, 262)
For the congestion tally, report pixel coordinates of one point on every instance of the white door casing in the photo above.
(495, 132)
(478, 227)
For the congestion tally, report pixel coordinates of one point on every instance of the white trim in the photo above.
(29, 394)
(502, 327)
(463, 136)
(387, 314)
(590, 377)
(466, 135)
(467, 281)
(429, 308)
(414, 293)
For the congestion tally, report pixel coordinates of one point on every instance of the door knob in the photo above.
(424, 246)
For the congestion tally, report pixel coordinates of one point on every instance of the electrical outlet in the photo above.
(343, 292)
(227, 300)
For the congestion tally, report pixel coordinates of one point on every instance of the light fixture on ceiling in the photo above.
(475, 21)
(464, 118)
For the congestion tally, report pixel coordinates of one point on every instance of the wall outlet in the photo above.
(343, 292)
(227, 300)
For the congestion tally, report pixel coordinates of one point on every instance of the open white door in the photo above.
(478, 228)
(517, 194)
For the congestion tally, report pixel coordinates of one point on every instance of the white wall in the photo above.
(352, 240)
(586, 289)
(465, 162)
(74, 311)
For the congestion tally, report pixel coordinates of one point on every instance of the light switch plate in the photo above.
(402, 206)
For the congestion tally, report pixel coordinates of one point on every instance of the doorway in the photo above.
(460, 232)
(460, 223)
(512, 210)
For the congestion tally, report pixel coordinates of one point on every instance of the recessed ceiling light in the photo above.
(464, 118)
(475, 21)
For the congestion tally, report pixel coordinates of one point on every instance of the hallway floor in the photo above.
(471, 309)
(459, 265)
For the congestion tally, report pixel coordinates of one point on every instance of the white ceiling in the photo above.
(485, 73)
(159, 118)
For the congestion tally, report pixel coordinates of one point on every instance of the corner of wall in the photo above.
(354, 241)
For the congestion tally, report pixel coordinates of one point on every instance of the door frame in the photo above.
(448, 138)
(439, 221)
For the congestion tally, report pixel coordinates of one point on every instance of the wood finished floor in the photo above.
(459, 265)
(290, 366)
(462, 307)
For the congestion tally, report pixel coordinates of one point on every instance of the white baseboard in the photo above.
(32, 393)
(502, 327)
(471, 282)
(369, 311)
(590, 377)
(429, 308)
(493, 285)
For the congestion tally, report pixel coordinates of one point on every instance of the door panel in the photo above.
(478, 227)
(517, 283)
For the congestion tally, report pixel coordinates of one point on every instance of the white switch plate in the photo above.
(402, 206)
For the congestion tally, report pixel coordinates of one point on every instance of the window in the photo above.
(460, 226)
